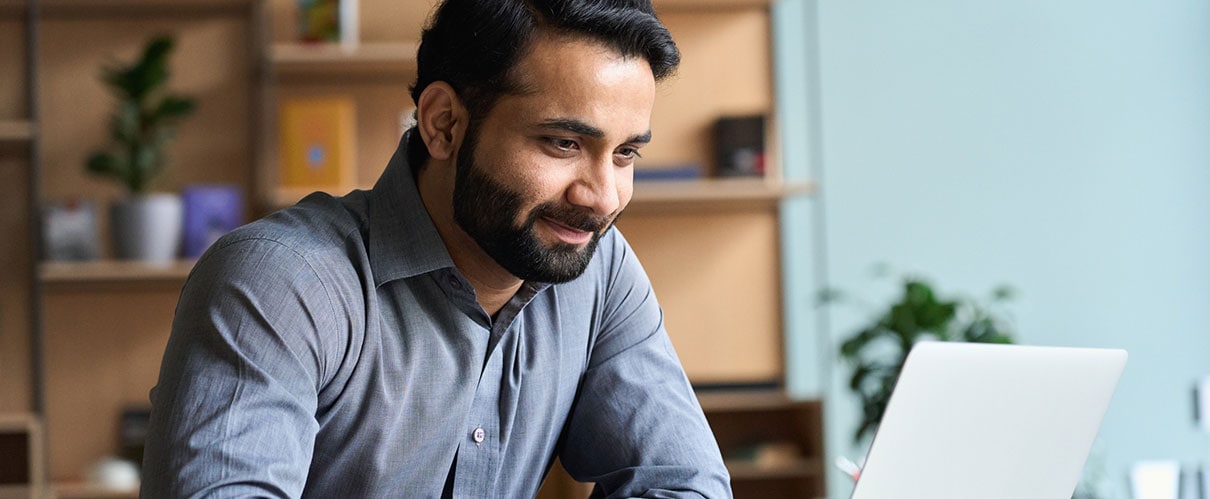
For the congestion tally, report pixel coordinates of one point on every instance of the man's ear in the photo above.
(441, 119)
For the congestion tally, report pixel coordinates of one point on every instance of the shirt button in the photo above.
(455, 283)
(478, 435)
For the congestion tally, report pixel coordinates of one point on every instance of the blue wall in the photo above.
(1060, 147)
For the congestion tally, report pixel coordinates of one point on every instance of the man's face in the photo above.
(545, 174)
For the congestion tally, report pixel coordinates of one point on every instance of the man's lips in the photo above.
(567, 234)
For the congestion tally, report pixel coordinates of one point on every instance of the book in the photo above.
(328, 21)
(210, 212)
(317, 143)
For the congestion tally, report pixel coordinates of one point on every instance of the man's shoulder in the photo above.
(319, 221)
(321, 232)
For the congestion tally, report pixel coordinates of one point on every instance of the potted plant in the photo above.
(144, 225)
(878, 350)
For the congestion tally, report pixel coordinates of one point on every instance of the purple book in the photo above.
(211, 210)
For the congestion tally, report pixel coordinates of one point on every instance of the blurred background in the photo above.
(805, 148)
(1057, 147)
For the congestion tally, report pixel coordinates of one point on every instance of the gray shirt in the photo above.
(333, 350)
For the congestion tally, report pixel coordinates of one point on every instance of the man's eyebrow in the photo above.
(574, 126)
(581, 128)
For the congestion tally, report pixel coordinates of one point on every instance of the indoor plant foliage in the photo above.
(144, 226)
(143, 123)
(878, 350)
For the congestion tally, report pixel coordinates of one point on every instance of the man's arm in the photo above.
(233, 411)
(637, 429)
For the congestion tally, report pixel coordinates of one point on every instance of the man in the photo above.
(469, 319)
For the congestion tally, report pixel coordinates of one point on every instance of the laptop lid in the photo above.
(973, 420)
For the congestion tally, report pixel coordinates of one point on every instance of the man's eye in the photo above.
(629, 153)
(564, 144)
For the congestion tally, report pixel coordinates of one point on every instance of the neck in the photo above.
(494, 285)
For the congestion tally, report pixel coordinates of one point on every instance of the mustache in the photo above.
(576, 218)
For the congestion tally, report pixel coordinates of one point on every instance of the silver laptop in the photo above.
(990, 422)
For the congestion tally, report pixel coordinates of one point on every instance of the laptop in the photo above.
(970, 420)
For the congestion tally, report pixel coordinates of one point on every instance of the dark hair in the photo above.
(474, 44)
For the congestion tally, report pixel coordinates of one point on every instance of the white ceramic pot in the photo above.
(146, 227)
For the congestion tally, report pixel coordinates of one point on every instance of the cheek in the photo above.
(625, 184)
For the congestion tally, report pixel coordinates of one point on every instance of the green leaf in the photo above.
(125, 123)
(103, 163)
(173, 107)
(829, 295)
(1004, 293)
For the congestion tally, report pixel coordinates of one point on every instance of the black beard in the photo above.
(486, 210)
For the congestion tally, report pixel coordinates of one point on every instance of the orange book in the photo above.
(318, 143)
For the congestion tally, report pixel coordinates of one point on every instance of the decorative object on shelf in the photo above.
(317, 148)
(688, 171)
(145, 226)
(739, 144)
(114, 474)
(210, 212)
(69, 231)
(328, 21)
(878, 350)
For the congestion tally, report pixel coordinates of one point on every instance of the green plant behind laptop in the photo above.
(878, 350)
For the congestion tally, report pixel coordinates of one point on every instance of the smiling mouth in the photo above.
(567, 234)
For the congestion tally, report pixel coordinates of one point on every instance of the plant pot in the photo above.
(146, 227)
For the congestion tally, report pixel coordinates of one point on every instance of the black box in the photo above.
(739, 145)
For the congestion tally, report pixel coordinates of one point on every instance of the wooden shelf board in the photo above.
(655, 192)
(113, 271)
(662, 6)
(299, 58)
(748, 470)
(283, 197)
(81, 490)
(743, 400)
(717, 190)
(141, 8)
(16, 130)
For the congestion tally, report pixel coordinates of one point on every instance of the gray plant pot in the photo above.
(146, 227)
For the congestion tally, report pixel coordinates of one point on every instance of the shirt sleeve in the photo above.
(233, 410)
(637, 429)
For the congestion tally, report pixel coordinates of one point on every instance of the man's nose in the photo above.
(596, 187)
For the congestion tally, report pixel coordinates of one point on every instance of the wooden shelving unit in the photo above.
(722, 229)
(16, 131)
(61, 273)
(773, 446)
(95, 350)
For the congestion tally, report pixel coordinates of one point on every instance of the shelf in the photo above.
(662, 6)
(715, 191)
(16, 131)
(113, 271)
(743, 400)
(750, 470)
(79, 490)
(141, 8)
(329, 58)
(656, 193)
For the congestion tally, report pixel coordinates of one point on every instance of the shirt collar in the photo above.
(403, 241)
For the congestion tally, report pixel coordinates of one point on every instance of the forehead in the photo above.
(568, 77)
